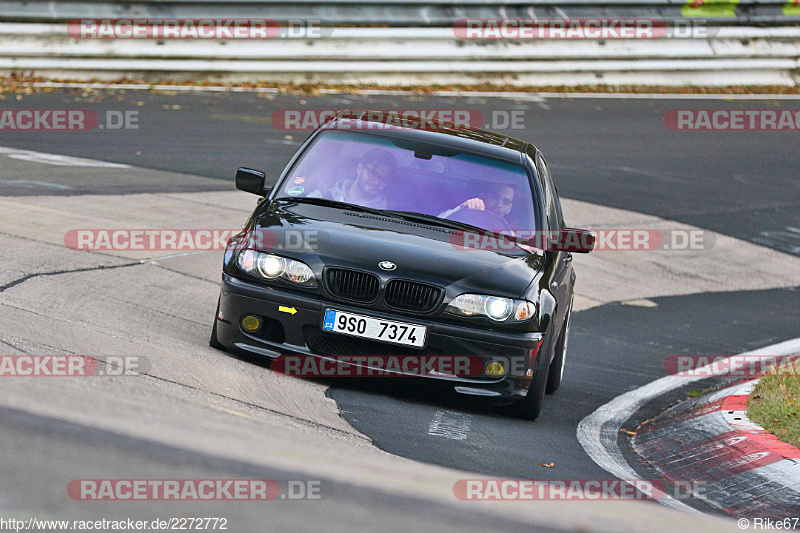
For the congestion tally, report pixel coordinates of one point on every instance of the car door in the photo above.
(563, 275)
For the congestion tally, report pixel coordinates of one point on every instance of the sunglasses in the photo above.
(373, 174)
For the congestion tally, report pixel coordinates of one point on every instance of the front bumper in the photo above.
(292, 326)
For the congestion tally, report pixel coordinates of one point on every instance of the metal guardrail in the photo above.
(732, 56)
(409, 13)
(753, 42)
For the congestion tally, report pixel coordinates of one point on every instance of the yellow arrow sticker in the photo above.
(284, 309)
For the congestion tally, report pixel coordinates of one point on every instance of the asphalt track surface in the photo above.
(65, 448)
(614, 153)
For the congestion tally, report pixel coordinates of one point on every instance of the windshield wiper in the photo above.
(406, 215)
(333, 203)
(430, 219)
(411, 216)
(445, 223)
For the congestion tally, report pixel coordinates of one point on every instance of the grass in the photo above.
(698, 393)
(774, 403)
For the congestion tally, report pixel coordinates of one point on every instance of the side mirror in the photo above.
(250, 180)
(572, 240)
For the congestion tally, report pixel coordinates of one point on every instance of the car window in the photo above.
(554, 214)
(374, 171)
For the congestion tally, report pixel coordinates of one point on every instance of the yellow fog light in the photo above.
(495, 370)
(251, 323)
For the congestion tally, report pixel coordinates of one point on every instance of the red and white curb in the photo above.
(599, 435)
(734, 464)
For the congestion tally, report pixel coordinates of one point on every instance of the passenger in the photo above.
(372, 173)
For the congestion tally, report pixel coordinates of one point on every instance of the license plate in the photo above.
(375, 328)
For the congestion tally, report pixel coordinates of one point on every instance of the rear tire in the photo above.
(556, 373)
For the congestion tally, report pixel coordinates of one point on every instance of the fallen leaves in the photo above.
(548, 465)
(18, 82)
(23, 83)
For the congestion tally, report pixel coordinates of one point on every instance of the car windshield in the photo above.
(408, 176)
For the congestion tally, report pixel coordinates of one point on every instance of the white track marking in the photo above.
(598, 432)
(57, 160)
(157, 259)
(450, 425)
(643, 302)
(782, 240)
(30, 183)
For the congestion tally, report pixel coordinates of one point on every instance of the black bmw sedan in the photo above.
(386, 238)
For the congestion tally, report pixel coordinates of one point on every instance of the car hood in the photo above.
(327, 236)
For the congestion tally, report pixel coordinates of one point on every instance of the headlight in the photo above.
(298, 272)
(271, 266)
(492, 307)
(498, 308)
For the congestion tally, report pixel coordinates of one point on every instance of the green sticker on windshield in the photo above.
(709, 8)
(295, 191)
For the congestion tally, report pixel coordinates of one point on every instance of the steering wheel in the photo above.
(482, 219)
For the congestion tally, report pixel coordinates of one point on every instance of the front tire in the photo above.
(531, 406)
(556, 372)
(214, 341)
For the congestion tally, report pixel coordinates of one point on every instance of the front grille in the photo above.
(324, 343)
(411, 296)
(352, 285)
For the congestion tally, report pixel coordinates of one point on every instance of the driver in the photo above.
(497, 198)
(372, 173)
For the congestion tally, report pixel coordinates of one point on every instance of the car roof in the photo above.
(457, 136)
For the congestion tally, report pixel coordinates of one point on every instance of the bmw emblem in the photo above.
(387, 265)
